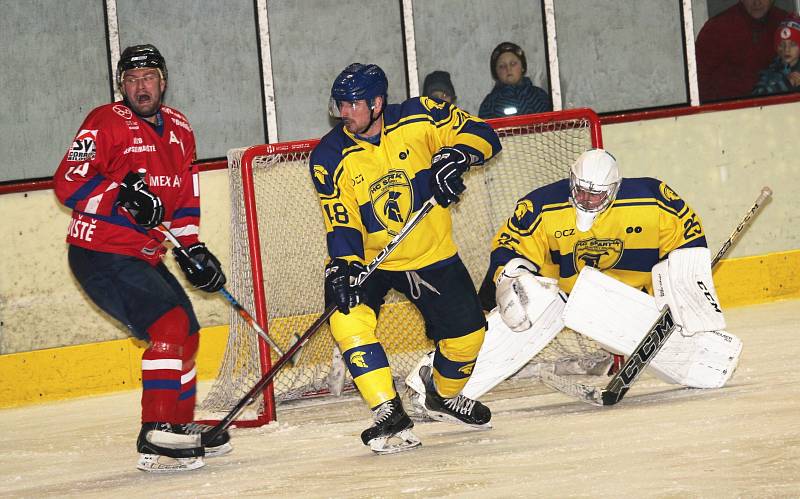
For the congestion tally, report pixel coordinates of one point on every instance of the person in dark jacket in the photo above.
(513, 92)
(733, 46)
(783, 75)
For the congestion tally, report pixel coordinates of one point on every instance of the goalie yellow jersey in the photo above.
(646, 221)
(368, 191)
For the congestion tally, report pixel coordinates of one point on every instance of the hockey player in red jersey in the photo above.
(128, 172)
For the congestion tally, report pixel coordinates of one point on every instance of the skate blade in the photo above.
(154, 463)
(438, 416)
(400, 442)
(219, 450)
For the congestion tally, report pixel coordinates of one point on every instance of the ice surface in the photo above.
(661, 440)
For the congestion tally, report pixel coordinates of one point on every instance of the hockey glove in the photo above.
(341, 286)
(202, 268)
(447, 166)
(144, 206)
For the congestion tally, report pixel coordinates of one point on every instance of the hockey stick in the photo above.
(250, 397)
(244, 314)
(650, 345)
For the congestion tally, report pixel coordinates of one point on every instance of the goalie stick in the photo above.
(250, 397)
(650, 345)
(244, 314)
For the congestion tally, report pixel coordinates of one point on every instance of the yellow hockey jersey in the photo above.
(646, 221)
(368, 191)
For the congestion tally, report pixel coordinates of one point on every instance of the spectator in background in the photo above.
(513, 92)
(438, 85)
(734, 46)
(783, 75)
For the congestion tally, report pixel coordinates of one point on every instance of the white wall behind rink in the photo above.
(717, 161)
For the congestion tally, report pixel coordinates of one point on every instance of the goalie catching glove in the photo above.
(201, 267)
(341, 283)
(144, 206)
(447, 166)
(522, 296)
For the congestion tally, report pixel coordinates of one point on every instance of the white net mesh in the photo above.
(292, 248)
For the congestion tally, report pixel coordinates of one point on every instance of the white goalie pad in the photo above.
(523, 297)
(683, 281)
(504, 351)
(617, 316)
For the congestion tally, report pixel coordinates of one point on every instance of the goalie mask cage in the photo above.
(278, 255)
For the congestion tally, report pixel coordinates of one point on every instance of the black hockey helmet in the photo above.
(141, 56)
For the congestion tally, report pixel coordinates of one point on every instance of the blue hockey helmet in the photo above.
(358, 82)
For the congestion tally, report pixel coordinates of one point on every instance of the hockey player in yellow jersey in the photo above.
(372, 171)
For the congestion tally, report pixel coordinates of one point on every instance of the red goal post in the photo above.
(278, 252)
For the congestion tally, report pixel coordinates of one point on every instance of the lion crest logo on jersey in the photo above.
(392, 200)
(668, 193)
(524, 216)
(466, 369)
(357, 359)
(430, 104)
(320, 174)
(323, 181)
(601, 254)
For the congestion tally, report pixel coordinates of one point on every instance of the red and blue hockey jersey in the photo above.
(111, 142)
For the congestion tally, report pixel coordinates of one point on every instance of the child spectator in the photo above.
(438, 85)
(734, 46)
(513, 92)
(783, 75)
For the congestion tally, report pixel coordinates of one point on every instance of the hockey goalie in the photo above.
(603, 256)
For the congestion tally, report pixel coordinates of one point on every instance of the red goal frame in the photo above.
(268, 413)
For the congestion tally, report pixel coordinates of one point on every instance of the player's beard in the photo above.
(351, 125)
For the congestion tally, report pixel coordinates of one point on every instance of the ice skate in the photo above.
(459, 409)
(392, 429)
(217, 447)
(164, 448)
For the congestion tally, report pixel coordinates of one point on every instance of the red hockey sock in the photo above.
(188, 393)
(162, 364)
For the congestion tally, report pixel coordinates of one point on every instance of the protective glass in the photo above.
(335, 106)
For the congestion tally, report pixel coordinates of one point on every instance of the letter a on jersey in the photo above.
(173, 139)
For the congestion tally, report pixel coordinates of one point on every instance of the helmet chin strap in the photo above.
(372, 119)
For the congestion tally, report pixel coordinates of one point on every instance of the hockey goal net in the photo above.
(278, 254)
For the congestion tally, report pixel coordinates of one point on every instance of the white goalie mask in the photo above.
(594, 181)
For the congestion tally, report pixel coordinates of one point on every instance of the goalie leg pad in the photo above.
(617, 316)
(503, 352)
(704, 360)
(683, 281)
